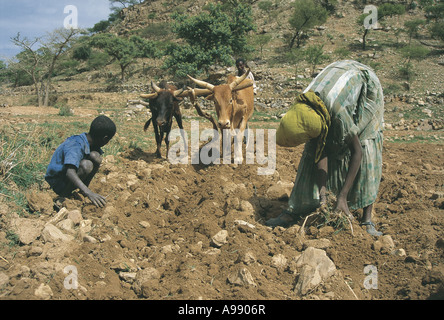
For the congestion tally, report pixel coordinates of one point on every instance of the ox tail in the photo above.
(147, 124)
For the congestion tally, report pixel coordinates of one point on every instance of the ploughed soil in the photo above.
(162, 217)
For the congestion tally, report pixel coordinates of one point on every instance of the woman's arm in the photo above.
(321, 179)
(355, 163)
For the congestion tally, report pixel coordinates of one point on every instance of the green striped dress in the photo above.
(353, 96)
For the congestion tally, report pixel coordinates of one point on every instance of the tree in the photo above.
(435, 16)
(261, 40)
(307, 14)
(412, 53)
(210, 37)
(40, 63)
(329, 5)
(56, 45)
(266, 6)
(100, 26)
(437, 30)
(412, 28)
(3, 71)
(314, 55)
(30, 61)
(123, 50)
(295, 56)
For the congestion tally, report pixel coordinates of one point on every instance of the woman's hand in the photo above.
(342, 205)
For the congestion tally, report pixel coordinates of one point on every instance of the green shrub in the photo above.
(65, 111)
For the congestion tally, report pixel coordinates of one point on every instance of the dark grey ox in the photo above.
(164, 105)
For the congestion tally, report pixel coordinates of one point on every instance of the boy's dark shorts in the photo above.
(61, 187)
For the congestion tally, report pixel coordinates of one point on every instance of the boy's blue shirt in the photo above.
(73, 150)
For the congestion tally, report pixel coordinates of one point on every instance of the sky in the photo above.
(36, 18)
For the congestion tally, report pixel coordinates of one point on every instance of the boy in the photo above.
(77, 160)
(242, 67)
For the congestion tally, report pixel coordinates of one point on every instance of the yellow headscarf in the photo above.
(308, 118)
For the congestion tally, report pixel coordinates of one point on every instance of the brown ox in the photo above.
(234, 102)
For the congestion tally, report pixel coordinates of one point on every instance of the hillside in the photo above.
(197, 232)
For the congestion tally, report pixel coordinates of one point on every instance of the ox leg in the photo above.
(167, 138)
(158, 139)
(239, 138)
(238, 157)
(178, 117)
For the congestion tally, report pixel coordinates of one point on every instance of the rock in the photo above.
(4, 280)
(35, 251)
(145, 224)
(280, 191)
(317, 243)
(244, 223)
(52, 234)
(59, 216)
(85, 226)
(105, 238)
(220, 238)
(90, 239)
(109, 211)
(66, 225)
(384, 244)
(212, 251)
(242, 277)
(399, 252)
(131, 180)
(128, 276)
(309, 279)
(249, 258)
(24, 272)
(27, 230)
(246, 206)
(43, 292)
(75, 216)
(315, 267)
(40, 202)
(279, 261)
(143, 276)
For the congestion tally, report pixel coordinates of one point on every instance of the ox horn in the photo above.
(149, 96)
(243, 85)
(155, 87)
(203, 84)
(180, 93)
(235, 83)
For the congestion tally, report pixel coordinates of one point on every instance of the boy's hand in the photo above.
(98, 200)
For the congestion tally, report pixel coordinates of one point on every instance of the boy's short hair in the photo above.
(102, 126)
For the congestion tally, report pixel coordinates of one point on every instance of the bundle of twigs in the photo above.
(327, 215)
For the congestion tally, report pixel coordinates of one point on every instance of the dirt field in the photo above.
(155, 239)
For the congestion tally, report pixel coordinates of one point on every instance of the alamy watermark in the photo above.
(72, 19)
(211, 153)
(371, 279)
(71, 280)
(371, 20)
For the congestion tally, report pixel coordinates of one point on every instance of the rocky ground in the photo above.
(197, 232)
(173, 232)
